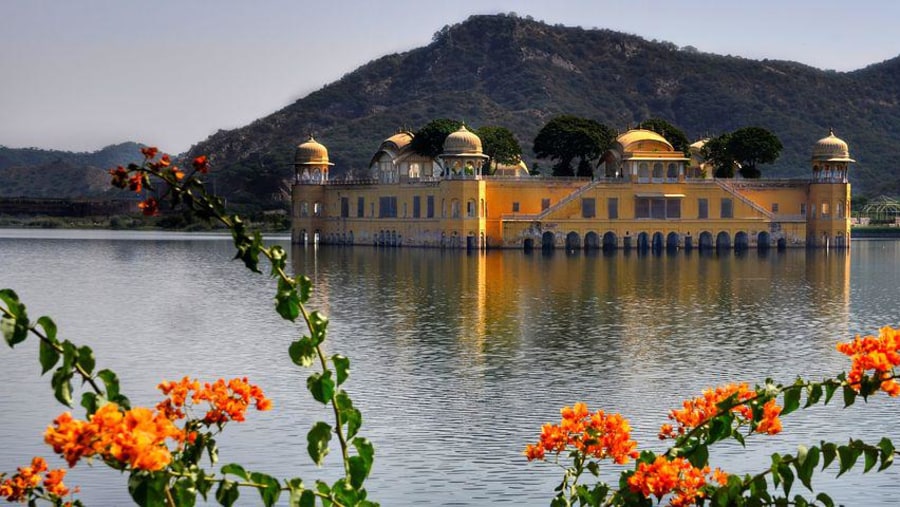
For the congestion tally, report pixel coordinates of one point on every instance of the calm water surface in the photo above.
(456, 359)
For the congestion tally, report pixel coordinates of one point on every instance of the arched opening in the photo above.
(591, 241)
(528, 244)
(672, 173)
(573, 241)
(723, 240)
(657, 241)
(781, 243)
(741, 241)
(688, 243)
(672, 241)
(547, 241)
(643, 242)
(706, 240)
(763, 240)
(610, 241)
(840, 241)
(657, 171)
(643, 172)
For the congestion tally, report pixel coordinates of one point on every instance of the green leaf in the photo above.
(341, 367)
(89, 402)
(787, 477)
(321, 386)
(829, 452)
(830, 388)
(871, 456)
(806, 465)
(849, 396)
(49, 356)
(317, 442)
(304, 286)
(699, 456)
(303, 352)
(184, 492)
(278, 257)
(307, 499)
(227, 493)
(847, 457)
(887, 453)
(361, 465)
(270, 490)
(825, 499)
(147, 489)
(287, 301)
(62, 386)
(235, 469)
(720, 428)
(349, 415)
(14, 327)
(814, 394)
(86, 359)
(317, 326)
(791, 400)
(49, 328)
(111, 381)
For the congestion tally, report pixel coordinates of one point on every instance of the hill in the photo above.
(33, 172)
(519, 73)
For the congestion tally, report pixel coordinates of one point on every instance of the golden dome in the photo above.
(311, 153)
(400, 139)
(641, 140)
(831, 149)
(462, 142)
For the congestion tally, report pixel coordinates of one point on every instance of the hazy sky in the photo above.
(79, 75)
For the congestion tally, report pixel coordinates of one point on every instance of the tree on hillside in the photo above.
(565, 138)
(673, 134)
(429, 140)
(500, 144)
(751, 146)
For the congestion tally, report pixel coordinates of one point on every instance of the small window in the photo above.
(515, 207)
(825, 209)
(304, 209)
(345, 207)
(588, 207)
(673, 208)
(803, 208)
(360, 206)
(612, 207)
(774, 207)
(429, 207)
(317, 209)
(417, 206)
(642, 208)
(727, 208)
(702, 208)
(545, 203)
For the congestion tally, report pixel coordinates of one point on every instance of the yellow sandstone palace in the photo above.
(644, 195)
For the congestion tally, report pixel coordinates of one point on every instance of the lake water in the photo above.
(457, 359)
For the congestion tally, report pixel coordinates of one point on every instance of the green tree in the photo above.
(673, 134)
(751, 146)
(500, 144)
(565, 138)
(429, 140)
(716, 152)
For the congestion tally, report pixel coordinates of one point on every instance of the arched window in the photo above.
(672, 173)
(304, 209)
(839, 209)
(657, 171)
(643, 172)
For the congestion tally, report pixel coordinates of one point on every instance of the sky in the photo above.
(80, 75)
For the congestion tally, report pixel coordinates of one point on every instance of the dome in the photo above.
(400, 139)
(311, 153)
(698, 145)
(462, 142)
(831, 149)
(635, 139)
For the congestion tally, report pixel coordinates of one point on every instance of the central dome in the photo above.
(462, 142)
(831, 149)
(311, 152)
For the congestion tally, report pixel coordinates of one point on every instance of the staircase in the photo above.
(729, 187)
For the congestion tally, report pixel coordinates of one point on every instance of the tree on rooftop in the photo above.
(565, 138)
(500, 144)
(673, 134)
(429, 140)
(751, 146)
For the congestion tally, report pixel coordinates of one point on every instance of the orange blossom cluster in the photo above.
(697, 411)
(593, 434)
(122, 177)
(878, 354)
(676, 476)
(228, 401)
(135, 437)
(18, 487)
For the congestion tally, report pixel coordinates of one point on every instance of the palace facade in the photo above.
(644, 194)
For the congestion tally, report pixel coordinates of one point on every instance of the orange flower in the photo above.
(149, 152)
(597, 435)
(879, 354)
(696, 412)
(677, 477)
(201, 164)
(19, 487)
(135, 182)
(149, 207)
(227, 401)
(134, 438)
